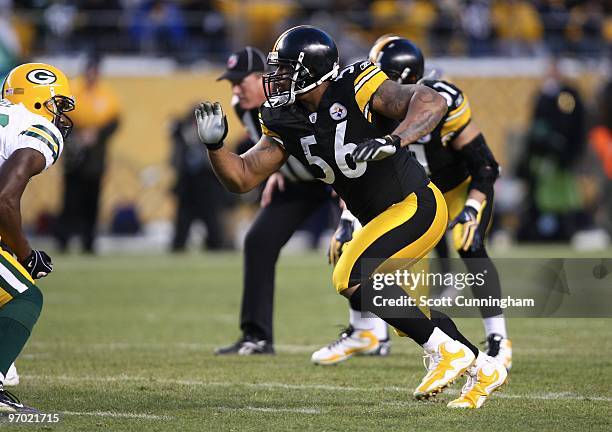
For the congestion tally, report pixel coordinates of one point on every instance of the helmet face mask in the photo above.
(304, 57)
(280, 84)
(57, 106)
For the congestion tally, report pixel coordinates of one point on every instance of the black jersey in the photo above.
(433, 151)
(323, 141)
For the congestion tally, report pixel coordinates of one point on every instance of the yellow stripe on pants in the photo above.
(395, 216)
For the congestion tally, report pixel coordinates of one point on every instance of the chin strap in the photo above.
(333, 73)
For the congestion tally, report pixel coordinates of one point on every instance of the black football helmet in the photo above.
(304, 57)
(399, 58)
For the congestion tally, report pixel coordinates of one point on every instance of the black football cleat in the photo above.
(10, 404)
(247, 345)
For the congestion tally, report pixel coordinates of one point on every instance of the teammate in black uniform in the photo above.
(309, 106)
(458, 162)
(289, 198)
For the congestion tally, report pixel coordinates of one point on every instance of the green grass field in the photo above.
(125, 343)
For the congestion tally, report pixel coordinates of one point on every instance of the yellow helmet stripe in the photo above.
(380, 43)
(275, 47)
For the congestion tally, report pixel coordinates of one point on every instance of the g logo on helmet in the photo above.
(41, 76)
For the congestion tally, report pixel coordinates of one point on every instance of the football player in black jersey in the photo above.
(310, 103)
(289, 198)
(460, 163)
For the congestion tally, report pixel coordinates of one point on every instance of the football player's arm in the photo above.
(484, 170)
(418, 108)
(22, 165)
(481, 164)
(241, 173)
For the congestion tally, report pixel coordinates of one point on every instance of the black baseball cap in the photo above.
(243, 63)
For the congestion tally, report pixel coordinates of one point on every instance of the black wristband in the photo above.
(395, 140)
(216, 146)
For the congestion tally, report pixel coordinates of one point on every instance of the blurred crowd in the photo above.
(566, 133)
(196, 30)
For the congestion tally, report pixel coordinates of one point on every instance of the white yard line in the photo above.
(116, 415)
(275, 385)
(272, 410)
(187, 346)
(195, 346)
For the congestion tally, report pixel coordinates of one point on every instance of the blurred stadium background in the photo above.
(163, 56)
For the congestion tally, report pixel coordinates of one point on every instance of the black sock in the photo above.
(479, 262)
(446, 324)
(408, 319)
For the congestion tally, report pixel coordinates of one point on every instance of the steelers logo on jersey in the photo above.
(337, 111)
(41, 76)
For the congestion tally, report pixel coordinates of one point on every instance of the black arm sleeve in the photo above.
(481, 164)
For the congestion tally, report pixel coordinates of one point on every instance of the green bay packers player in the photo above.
(33, 125)
(460, 163)
(334, 123)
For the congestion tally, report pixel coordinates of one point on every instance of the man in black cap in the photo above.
(289, 198)
(244, 71)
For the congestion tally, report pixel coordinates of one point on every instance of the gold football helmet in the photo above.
(44, 90)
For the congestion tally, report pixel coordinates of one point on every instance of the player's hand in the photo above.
(376, 149)
(275, 181)
(212, 125)
(471, 239)
(38, 264)
(343, 234)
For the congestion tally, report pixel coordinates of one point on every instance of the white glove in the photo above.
(212, 125)
(375, 149)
